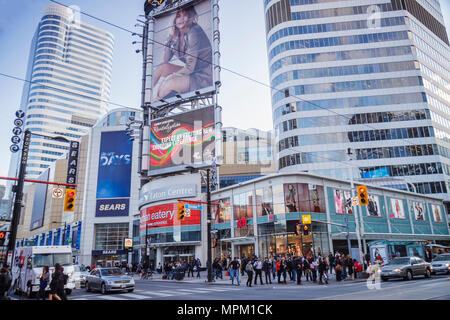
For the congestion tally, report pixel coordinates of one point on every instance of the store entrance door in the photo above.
(245, 250)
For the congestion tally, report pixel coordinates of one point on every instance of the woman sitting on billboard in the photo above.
(189, 43)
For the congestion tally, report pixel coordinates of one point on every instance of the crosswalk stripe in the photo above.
(110, 297)
(158, 293)
(133, 296)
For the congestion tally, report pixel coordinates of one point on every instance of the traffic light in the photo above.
(2, 237)
(69, 200)
(306, 228)
(181, 212)
(362, 195)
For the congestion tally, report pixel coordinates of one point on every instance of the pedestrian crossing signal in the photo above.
(181, 212)
(2, 237)
(69, 200)
(362, 195)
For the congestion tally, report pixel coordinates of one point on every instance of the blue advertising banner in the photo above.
(114, 174)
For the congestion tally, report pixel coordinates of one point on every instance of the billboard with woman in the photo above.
(437, 214)
(419, 212)
(182, 52)
(397, 209)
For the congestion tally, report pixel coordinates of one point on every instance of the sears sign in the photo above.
(112, 207)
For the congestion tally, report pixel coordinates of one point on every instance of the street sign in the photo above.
(128, 243)
(306, 219)
(355, 201)
(193, 206)
(57, 193)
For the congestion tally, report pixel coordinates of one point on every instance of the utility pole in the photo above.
(356, 212)
(208, 222)
(19, 195)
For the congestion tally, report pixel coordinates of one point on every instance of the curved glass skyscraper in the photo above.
(370, 75)
(69, 70)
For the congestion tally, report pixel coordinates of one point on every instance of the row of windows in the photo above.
(445, 122)
(351, 102)
(439, 105)
(59, 119)
(85, 26)
(338, 12)
(431, 187)
(45, 123)
(332, 27)
(49, 75)
(397, 152)
(302, 2)
(87, 44)
(339, 55)
(40, 81)
(60, 110)
(363, 136)
(421, 31)
(412, 169)
(435, 12)
(97, 35)
(97, 54)
(431, 50)
(344, 71)
(64, 134)
(337, 41)
(95, 105)
(59, 59)
(57, 71)
(349, 86)
(37, 87)
(53, 153)
(104, 68)
(441, 93)
(360, 118)
(104, 44)
(433, 76)
(50, 145)
(66, 67)
(432, 63)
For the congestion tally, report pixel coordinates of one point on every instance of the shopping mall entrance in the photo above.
(177, 253)
(244, 250)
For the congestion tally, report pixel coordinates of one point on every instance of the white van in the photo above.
(28, 263)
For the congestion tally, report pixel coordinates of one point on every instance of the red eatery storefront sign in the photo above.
(165, 215)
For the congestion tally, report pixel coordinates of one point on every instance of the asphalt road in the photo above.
(436, 288)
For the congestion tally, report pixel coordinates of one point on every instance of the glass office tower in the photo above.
(370, 75)
(69, 70)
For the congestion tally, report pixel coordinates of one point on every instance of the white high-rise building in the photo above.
(370, 75)
(69, 70)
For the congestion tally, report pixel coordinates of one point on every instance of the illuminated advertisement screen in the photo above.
(181, 140)
(165, 215)
(114, 174)
(182, 52)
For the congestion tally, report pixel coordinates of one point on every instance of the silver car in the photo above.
(80, 274)
(109, 279)
(406, 268)
(441, 264)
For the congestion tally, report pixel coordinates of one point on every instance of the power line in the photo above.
(226, 69)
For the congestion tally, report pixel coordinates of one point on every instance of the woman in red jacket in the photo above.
(357, 268)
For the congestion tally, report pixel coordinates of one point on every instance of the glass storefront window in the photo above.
(278, 199)
(110, 236)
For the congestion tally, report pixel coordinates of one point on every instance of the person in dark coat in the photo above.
(5, 282)
(44, 279)
(298, 265)
(267, 268)
(57, 284)
(428, 255)
(322, 268)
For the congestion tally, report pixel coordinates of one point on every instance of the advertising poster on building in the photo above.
(437, 214)
(165, 215)
(316, 198)
(291, 197)
(419, 212)
(114, 174)
(182, 52)
(373, 208)
(181, 140)
(342, 201)
(397, 209)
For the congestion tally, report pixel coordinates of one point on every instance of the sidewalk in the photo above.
(243, 279)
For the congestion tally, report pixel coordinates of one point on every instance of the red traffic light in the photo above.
(2, 235)
(71, 194)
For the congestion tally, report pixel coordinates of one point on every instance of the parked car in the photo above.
(109, 279)
(441, 264)
(406, 268)
(80, 274)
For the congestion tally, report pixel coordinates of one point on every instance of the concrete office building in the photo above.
(371, 75)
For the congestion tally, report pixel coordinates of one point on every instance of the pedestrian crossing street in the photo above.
(148, 295)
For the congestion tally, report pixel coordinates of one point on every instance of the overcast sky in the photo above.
(245, 103)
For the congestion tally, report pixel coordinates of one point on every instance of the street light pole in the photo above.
(208, 221)
(19, 195)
